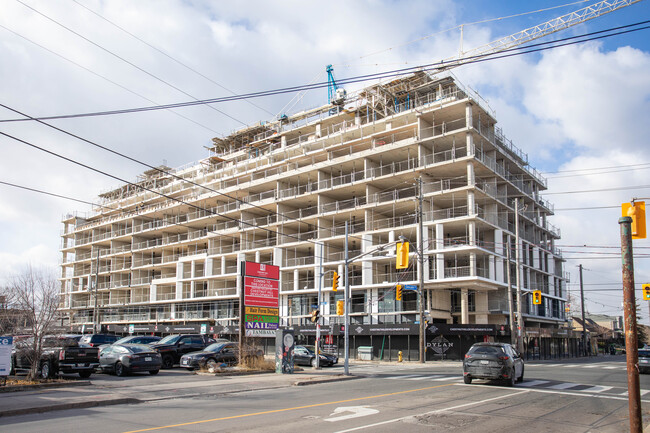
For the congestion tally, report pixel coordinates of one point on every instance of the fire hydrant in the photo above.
(399, 356)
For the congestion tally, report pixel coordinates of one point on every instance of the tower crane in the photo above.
(544, 29)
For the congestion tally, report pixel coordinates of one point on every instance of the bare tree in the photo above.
(33, 297)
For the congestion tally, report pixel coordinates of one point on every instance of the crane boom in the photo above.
(544, 29)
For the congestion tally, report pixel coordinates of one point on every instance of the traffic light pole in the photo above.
(631, 342)
(346, 295)
(511, 312)
(520, 319)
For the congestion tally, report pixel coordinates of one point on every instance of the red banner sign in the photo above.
(260, 292)
(262, 270)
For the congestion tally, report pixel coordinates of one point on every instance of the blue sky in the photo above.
(575, 108)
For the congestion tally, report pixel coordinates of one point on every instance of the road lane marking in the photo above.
(533, 383)
(597, 388)
(287, 409)
(564, 385)
(356, 411)
(473, 403)
(591, 366)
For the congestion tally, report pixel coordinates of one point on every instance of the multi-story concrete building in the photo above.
(167, 248)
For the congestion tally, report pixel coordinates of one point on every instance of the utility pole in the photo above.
(629, 310)
(95, 312)
(346, 295)
(511, 311)
(520, 319)
(318, 306)
(584, 324)
(421, 285)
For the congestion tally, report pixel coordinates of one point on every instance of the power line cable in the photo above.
(439, 66)
(157, 169)
(167, 55)
(106, 78)
(125, 60)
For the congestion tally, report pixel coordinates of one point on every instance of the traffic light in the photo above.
(335, 281)
(398, 292)
(537, 297)
(339, 308)
(402, 255)
(646, 292)
(315, 315)
(636, 210)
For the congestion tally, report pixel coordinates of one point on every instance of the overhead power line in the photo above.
(432, 67)
(186, 66)
(106, 50)
(103, 77)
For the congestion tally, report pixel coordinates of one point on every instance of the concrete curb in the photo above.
(16, 388)
(66, 406)
(326, 380)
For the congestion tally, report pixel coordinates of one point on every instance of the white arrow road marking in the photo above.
(357, 411)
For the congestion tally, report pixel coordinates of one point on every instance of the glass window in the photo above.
(486, 350)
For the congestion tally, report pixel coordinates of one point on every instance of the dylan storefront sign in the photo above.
(261, 283)
(440, 345)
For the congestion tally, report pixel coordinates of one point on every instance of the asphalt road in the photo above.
(554, 397)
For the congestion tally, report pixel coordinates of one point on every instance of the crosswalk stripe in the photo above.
(533, 383)
(611, 368)
(597, 389)
(591, 366)
(564, 385)
(402, 376)
(417, 378)
(571, 365)
(447, 378)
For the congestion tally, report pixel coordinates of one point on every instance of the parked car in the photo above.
(216, 355)
(306, 355)
(61, 354)
(211, 357)
(96, 340)
(123, 359)
(134, 339)
(172, 347)
(493, 361)
(644, 360)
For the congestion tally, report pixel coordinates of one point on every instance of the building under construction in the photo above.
(164, 252)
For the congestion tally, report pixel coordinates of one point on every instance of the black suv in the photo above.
(172, 347)
(493, 361)
(96, 340)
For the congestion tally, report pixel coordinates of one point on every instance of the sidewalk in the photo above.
(46, 399)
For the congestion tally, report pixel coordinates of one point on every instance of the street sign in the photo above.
(6, 346)
(410, 287)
